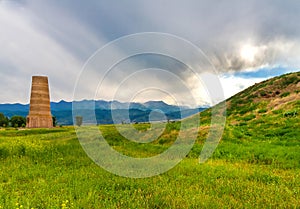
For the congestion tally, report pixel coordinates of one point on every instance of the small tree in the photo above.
(54, 123)
(3, 120)
(78, 120)
(18, 121)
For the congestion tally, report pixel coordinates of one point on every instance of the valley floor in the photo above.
(49, 169)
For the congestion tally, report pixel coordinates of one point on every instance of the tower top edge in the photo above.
(39, 76)
(43, 79)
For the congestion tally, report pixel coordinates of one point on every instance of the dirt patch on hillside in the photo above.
(278, 103)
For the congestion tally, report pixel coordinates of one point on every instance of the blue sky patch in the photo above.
(265, 72)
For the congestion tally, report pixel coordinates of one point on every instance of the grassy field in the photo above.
(48, 169)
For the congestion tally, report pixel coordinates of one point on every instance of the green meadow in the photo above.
(49, 169)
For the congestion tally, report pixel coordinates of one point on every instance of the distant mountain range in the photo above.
(123, 112)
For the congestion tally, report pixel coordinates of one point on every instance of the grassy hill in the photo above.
(256, 164)
(262, 123)
(276, 95)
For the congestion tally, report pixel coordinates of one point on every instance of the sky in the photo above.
(244, 41)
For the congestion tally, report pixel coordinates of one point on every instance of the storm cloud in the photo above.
(56, 38)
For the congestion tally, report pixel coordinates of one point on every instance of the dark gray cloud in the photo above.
(57, 37)
(218, 27)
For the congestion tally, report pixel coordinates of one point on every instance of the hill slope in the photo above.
(265, 117)
(279, 93)
(276, 96)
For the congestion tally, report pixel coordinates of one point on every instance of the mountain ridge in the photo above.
(139, 112)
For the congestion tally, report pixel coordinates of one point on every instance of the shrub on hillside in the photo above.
(277, 111)
(263, 93)
(248, 117)
(262, 110)
(289, 80)
(290, 114)
(285, 94)
(247, 108)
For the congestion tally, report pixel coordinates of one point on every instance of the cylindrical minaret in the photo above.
(39, 113)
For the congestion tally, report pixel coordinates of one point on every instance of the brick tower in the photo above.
(39, 113)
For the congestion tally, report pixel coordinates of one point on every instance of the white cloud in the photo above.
(233, 84)
(25, 51)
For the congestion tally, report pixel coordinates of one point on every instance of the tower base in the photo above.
(39, 122)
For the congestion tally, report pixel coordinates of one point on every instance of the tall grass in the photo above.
(49, 169)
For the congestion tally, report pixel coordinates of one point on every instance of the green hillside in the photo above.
(262, 124)
(256, 164)
(273, 96)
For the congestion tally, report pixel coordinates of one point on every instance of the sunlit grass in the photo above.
(49, 169)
